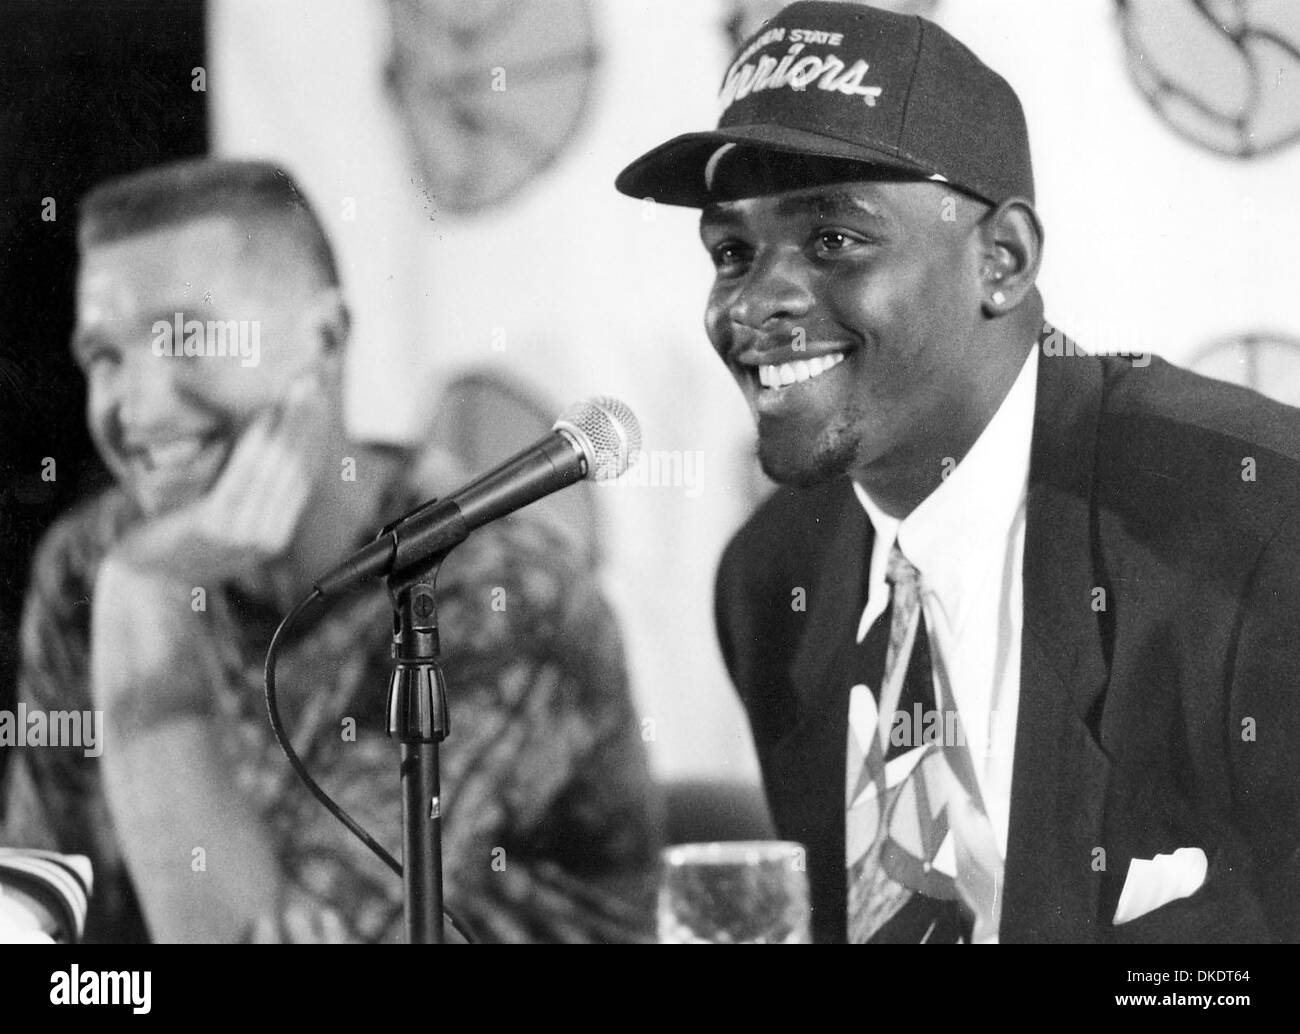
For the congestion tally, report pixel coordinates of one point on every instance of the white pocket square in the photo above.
(1153, 882)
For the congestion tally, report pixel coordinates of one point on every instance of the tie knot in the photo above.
(901, 574)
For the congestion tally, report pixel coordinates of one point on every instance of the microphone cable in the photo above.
(282, 738)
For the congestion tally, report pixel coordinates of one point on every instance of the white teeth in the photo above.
(173, 454)
(778, 376)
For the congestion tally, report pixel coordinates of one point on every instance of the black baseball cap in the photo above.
(852, 82)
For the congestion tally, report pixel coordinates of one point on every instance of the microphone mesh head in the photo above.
(607, 431)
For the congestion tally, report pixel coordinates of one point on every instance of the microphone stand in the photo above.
(417, 717)
(412, 549)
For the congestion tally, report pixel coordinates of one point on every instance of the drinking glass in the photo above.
(739, 892)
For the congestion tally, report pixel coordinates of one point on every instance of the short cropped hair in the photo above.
(167, 195)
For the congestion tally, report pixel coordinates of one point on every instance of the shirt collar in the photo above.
(977, 503)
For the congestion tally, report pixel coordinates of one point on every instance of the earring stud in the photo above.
(999, 298)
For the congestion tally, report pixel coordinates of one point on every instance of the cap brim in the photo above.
(674, 172)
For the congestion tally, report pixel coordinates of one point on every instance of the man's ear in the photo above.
(1011, 238)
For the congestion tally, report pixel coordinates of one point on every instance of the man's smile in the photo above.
(780, 381)
(170, 467)
(168, 453)
(781, 375)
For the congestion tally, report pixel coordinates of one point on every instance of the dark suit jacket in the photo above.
(1167, 719)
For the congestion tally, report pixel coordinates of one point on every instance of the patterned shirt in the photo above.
(549, 819)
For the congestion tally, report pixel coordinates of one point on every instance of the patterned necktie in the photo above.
(923, 861)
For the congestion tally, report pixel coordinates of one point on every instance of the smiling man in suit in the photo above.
(1018, 636)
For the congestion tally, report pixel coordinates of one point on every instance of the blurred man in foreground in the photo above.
(211, 328)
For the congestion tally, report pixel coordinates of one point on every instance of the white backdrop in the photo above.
(1152, 245)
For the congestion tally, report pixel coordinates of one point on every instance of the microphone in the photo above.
(597, 438)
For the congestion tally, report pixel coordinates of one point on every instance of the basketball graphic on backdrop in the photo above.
(1223, 74)
(489, 94)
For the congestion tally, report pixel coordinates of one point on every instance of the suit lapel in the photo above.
(808, 797)
(834, 609)
(1053, 868)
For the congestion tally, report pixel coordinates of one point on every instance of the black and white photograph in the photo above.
(651, 472)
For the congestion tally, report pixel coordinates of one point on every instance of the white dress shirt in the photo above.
(967, 539)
